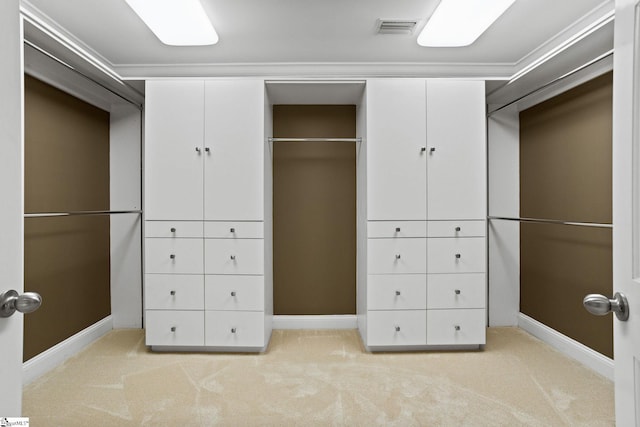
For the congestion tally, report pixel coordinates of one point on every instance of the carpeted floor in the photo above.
(309, 378)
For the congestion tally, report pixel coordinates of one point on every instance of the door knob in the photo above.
(600, 305)
(11, 301)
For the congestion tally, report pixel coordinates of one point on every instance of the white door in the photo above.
(174, 129)
(234, 147)
(626, 210)
(456, 146)
(396, 150)
(11, 209)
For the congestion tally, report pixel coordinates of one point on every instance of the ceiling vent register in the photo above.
(394, 26)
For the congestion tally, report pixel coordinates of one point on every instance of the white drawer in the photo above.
(396, 328)
(456, 291)
(451, 327)
(177, 256)
(173, 327)
(234, 328)
(173, 229)
(234, 230)
(464, 255)
(456, 228)
(234, 256)
(378, 229)
(226, 292)
(390, 256)
(397, 292)
(174, 291)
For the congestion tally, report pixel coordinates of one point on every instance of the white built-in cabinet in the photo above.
(204, 211)
(426, 209)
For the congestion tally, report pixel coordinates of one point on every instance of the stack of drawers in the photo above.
(174, 283)
(234, 284)
(456, 289)
(426, 283)
(204, 284)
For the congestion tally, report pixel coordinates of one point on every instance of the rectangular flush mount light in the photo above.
(457, 23)
(176, 22)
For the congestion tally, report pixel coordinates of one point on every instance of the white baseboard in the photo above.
(44, 362)
(570, 347)
(339, 321)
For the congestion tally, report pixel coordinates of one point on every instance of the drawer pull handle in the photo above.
(198, 150)
(172, 293)
(233, 230)
(207, 149)
(423, 149)
(173, 230)
(172, 256)
(456, 327)
(397, 256)
(173, 329)
(233, 330)
(458, 228)
(397, 293)
(432, 149)
(458, 256)
(233, 257)
(457, 291)
(397, 328)
(397, 229)
(233, 293)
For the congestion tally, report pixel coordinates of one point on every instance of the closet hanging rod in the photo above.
(315, 139)
(79, 213)
(551, 221)
(552, 82)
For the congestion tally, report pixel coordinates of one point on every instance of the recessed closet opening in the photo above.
(314, 154)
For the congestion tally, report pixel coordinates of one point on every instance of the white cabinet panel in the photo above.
(174, 292)
(396, 137)
(174, 328)
(173, 256)
(234, 328)
(174, 132)
(234, 256)
(456, 327)
(396, 229)
(464, 255)
(456, 133)
(234, 137)
(392, 256)
(456, 228)
(233, 230)
(396, 328)
(173, 229)
(456, 291)
(397, 292)
(226, 292)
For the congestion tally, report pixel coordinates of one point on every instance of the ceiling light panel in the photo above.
(176, 22)
(457, 23)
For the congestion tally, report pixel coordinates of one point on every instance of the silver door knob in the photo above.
(11, 301)
(600, 305)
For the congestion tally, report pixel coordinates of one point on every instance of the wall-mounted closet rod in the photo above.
(79, 213)
(559, 79)
(315, 139)
(551, 221)
(70, 67)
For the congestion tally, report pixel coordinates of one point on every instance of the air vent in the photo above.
(396, 26)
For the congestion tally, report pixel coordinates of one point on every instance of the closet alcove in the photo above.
(314, 129)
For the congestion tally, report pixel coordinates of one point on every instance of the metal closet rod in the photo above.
(551, 221)
(79, 213)
(315, 139)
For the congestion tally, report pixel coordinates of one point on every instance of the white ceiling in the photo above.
(313, 33)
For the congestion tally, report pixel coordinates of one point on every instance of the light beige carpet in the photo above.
(321, 378)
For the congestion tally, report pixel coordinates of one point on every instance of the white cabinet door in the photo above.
(396, 137)
(234, 138)
(456, 137)
(174, 134)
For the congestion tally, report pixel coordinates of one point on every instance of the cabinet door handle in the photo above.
(423, 149)
(456, 327)
(173, 329)
(397, 293)
(432, 149)
(172, 293)
(397, 229)
(233, 257)
(458, 228)
(397, 328)
(173, 230)
(457, 291)
(397, 256)
(233, 330)
(232, 230)
(458, 256)
(198, 150)
(172, 256)
(207, 149)
(233, 293)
